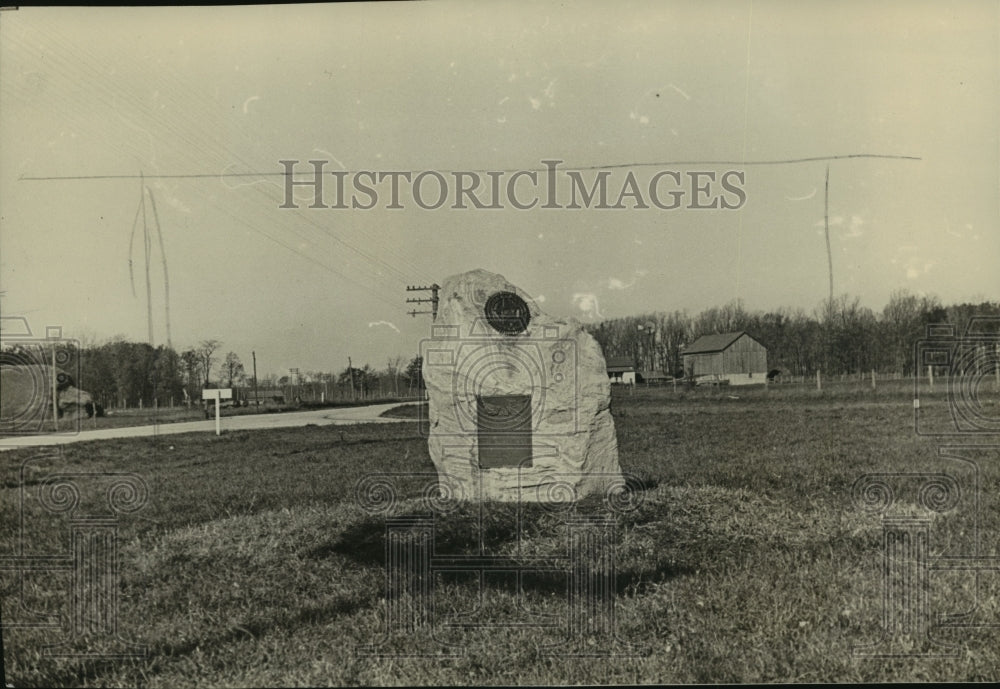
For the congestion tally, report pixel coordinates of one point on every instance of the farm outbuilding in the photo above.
(621, 370)
(736, 358)
(653, 377)
(264, 395)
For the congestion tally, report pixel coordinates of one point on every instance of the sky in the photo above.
(118, 122)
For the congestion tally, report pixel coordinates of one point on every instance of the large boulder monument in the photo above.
(518, 400)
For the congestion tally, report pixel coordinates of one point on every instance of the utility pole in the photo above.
(350, 369)
(55, 390)
(163, 258)
(256, 396)
(294, 374)
(433, 289)
(147, 243)
(146, 246)
(826, 224)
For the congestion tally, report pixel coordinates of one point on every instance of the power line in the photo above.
(606, 166)
(196, 118)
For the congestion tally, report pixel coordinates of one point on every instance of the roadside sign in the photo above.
(217, 394)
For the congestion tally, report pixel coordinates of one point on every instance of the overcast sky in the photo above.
(205, 102)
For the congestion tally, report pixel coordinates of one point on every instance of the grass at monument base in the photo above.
(253, 564)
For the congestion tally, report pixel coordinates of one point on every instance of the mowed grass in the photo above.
(747, 560)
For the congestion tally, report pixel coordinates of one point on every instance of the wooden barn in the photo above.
(733, 358)
(621, 370)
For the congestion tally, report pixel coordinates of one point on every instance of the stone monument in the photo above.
(518, 400)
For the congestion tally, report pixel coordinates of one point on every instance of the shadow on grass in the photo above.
(500, 538)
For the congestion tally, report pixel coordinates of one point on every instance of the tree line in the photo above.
(120, 373)
(840, 336)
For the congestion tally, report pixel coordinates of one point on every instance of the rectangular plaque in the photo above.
(503, 423)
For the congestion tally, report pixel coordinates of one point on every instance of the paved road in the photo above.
(318, 417)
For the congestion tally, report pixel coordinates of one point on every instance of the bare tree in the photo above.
(205, 351)
(233, 369)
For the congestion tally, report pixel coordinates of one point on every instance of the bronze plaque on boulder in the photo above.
(504, 431)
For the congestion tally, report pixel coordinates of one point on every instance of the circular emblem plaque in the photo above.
(507, 313)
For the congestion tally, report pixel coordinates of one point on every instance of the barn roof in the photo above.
(619, 364)
(715, 343)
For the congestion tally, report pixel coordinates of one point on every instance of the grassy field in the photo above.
(747, 560)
